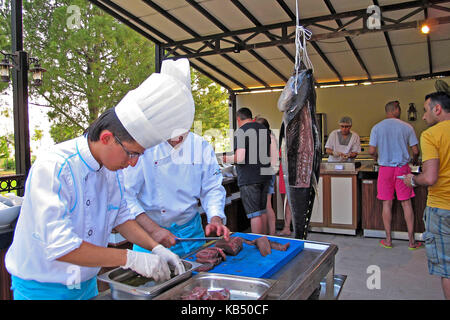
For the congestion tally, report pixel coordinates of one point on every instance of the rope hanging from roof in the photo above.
(301, 55)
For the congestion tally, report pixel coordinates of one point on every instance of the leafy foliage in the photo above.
(211, 110)
(92, 61)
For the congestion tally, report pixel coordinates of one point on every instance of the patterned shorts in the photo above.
(437, 240)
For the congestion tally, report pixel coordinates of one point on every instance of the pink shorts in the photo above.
(388, 183)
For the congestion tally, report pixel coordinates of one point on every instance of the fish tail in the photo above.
(301, 201)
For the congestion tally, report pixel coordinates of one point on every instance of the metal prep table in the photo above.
(300, 277)
(312, 267)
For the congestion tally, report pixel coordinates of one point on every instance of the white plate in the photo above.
(7, 216)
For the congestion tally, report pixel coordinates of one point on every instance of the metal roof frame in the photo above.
(197, 47)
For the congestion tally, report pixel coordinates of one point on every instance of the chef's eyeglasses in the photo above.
(345, 126)
(130, 154)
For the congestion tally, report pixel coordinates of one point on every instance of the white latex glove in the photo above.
(147, 264)
(170, 257)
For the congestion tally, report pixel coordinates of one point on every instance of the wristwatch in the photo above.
(412, 182)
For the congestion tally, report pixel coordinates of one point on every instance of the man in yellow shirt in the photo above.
(435, 144)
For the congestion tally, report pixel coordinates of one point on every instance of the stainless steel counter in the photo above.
(299, 278)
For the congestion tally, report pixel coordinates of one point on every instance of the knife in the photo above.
(177, 240)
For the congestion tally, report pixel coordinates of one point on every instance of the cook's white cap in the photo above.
(162, 107)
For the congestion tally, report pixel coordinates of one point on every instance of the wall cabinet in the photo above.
(335, 206)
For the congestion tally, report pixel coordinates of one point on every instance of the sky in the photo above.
(37, 119)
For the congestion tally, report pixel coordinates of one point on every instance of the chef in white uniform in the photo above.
(164, 188)
(74, 197)
(343, 145)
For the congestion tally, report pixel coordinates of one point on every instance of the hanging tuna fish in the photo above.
(301, 147)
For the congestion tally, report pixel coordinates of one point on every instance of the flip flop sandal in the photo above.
(418, 245)
(384, 245)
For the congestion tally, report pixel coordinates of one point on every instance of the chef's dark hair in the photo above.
(244, 113)
(441, 98)
(108, 120)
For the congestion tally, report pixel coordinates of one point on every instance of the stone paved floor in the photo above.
(403, 273)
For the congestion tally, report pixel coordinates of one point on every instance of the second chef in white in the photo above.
(163, 190)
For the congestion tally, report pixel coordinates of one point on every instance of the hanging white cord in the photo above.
(301, 35)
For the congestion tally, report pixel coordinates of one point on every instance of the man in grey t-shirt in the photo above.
(390, 141)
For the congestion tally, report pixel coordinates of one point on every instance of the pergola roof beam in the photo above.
(221, 26)
(313, 43)
(196, 35)
(196, 41)
(359, 81)
(389, 44)
(305, 22)
(146, 35)
(256, 55)
(349, 41)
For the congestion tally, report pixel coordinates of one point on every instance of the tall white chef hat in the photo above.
(162, 107)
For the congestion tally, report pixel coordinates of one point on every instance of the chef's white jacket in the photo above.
(167, 183)
(68, 198)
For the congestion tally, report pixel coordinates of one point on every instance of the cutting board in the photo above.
(250, 263)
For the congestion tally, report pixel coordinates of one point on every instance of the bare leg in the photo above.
(256, 224)
(409, 218)
(264, 223)
(270, 215)
(387, 218)
(446, 287)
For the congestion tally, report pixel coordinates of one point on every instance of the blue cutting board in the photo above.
(250, 263)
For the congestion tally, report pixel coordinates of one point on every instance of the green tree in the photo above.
(92, 61)
(211, 110)
(6, 142)
(4, 147)
(38, 134)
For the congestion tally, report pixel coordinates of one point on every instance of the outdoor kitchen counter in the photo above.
(300, 277)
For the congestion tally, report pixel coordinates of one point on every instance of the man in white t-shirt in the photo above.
(343, 144)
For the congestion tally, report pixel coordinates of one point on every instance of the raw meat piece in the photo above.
(196, 294)
(231, 247)
(249, 242)
(210, 260)
(208, 255)
(278, 246)
(273, 245)
(263, 245)
(199, 293)
(205, 267)
(223, 294)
